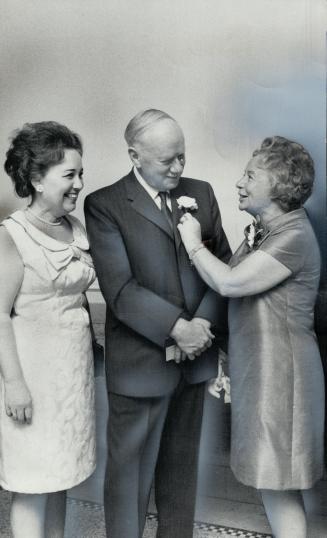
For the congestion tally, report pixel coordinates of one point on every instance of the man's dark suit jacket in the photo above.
(148, 282)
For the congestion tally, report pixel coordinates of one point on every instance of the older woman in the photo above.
(46, 408)
(276, 374)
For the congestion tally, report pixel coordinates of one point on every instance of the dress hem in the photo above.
(40, 491)
(276, 487)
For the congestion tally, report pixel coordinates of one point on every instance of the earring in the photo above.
(39, 188)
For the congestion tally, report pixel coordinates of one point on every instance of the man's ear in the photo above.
(134, 156)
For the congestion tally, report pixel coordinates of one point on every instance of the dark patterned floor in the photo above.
(86, 520)
(90, 521)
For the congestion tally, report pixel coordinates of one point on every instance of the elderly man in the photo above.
(161, 322)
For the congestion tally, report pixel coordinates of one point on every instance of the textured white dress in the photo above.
(57, 450)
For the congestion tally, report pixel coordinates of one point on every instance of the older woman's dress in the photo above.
(51, 326)
(277, 383)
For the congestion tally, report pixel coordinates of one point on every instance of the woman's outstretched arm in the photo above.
(255, 274)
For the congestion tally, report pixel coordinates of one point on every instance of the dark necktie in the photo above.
(165, 209)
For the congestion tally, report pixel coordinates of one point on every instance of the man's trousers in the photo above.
(148, 438)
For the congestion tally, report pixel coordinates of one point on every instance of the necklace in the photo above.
(44, 221)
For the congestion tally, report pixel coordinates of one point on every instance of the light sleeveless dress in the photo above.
(51, 326)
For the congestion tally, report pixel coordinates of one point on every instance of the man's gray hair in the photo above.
(141, 122)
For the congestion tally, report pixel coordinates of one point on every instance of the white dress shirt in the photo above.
(154, 193)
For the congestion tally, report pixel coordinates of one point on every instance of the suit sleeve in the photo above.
(134, 305)
(213, 306)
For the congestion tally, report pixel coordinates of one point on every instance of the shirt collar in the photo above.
(286, 218)
(150, 190)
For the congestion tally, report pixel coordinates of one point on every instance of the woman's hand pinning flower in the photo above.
(190, 230)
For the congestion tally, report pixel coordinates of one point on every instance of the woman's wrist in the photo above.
(191, 245)
(195, 250)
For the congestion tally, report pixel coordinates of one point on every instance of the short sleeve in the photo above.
(289, 246)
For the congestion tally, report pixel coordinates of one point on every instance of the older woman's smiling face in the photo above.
(254, 188)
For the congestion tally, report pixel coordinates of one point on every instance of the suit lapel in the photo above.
(177, 213)
(142, 202)
(188, 274)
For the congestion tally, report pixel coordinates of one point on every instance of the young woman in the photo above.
(47, 403)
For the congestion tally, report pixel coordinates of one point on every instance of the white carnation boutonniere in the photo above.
(186, 203)
(253, 234)
(250, 235)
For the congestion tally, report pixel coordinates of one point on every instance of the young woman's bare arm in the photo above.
(17, 396)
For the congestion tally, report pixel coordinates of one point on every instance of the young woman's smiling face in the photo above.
(254, 188)
(61, 185)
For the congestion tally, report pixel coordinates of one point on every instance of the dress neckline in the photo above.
(79, 236)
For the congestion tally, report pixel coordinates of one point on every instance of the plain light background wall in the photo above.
(230, 71)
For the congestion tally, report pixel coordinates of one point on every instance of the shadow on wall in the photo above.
(10, 205)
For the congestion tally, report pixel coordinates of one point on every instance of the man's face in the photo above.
(160, 155)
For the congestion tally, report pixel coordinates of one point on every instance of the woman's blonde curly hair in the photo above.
(292, 171)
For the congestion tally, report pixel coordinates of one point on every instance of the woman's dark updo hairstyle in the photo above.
(292, 169)
(34, 149)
